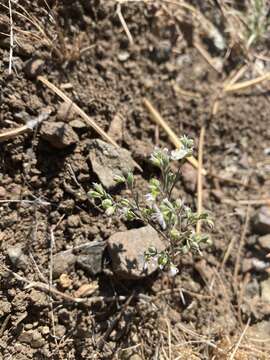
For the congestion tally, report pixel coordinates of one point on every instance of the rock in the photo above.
(65, 281)
(33, 67)
(108, 161)
(116, 128)
(38, 298)
(123, 56)
(265, 290)
(261, 221)
(189, 176)
(86, 290)
(5, 307)
(89, 256)
(77, 124)
(63, 262)
(59, 134)
(73, 221)
(17, 257)
(264, 242)
(2, 192)
(33, 338)
(127, 252)
(65, 112)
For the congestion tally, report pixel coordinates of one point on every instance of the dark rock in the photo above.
(261, 221)
(33, 68)
(89, 256)
(108, 161)
(127, 250)
(59, 134)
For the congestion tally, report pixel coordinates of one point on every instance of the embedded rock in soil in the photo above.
(261, 221)
(17, 257)
(108, 161)
(264, 242)
(89, 256)
(127, 250)
(59, 134)
(63, 262)
(33, 338)
(33, 67)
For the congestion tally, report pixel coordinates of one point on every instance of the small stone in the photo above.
(65, 112)
(2, 192)
(89, 256)
(38, 298)
(265, 290)
(73, 221)
(77, 124)
(123, 56)
(63, 262)
(33, 338)
(264, 242)
(189, 176)
(60, 331)
(65, 281)
(59, 134)
(33, 67)
(86, 290)
(261, 221)
(17, 257)
(108, 161)
(127, 250)
(5, 307)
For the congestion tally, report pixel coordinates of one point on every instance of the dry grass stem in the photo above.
(200, 178)
(208, 58)
(241, 244)
(78, 110)
(25, 128)
(232, 357)
(124, 24)
(11, 38)
(246, 84)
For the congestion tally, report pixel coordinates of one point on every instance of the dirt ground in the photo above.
(217, 308)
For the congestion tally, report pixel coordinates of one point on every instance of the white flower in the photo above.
(180, 154)
(149, 198)
(158, 217)
(173, 270)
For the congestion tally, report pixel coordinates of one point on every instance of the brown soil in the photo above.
(110, 78)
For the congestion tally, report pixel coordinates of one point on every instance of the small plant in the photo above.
(174, 221)
(258, 21)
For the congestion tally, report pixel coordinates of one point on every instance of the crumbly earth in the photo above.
(84, 51)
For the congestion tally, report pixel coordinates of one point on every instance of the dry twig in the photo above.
(11, 38)
(200, 180)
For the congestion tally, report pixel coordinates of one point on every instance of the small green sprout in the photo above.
(174, 221)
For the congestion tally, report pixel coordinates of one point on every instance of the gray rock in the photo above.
(127, 250)
(63, 262)
(58, 134)
(264, 242)
(5, 307)
(261, 221)
(108, 161)
(89, 256)
(17, 256)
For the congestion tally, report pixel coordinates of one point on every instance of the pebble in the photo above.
(33, 67)
(33, 338)
(73, 221)
(108, 161)
(2, 192)
(261, 221)
(65, 281)
(17, 257)
(89, 256)
(264, 242)
(38, 298)
(127, 249)
(58, 134)
(86, 290)
(63, 262)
